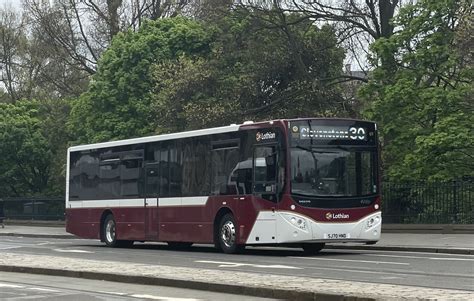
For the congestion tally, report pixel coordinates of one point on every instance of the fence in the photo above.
(402, 203)
(449, 202)
(33, 208)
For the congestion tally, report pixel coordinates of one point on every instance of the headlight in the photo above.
(296, 221)
(373, 221)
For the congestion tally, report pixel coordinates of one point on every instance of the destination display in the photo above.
(332, 132)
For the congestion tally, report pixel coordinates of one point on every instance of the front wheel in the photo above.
(312, 249)
(109, 232)
(227, 235)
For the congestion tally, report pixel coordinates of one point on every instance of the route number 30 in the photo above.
(357, 133)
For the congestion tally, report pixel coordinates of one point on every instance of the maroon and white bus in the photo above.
(296, 182)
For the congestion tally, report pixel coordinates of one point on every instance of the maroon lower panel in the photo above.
(193, 223)
(178, 223)
(189, 232)
(86, 222)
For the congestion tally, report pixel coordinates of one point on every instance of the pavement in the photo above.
(245, 283)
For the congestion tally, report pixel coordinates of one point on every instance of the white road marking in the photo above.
(112, 293)
(223, 264)
(72, 251)
(42, 289)
(11, 285)
(352, 271)
(45, 243)
(9, 247)
(353, 260)
(163, 298)
(420, 257)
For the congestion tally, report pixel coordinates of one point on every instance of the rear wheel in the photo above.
(312, 249)
(109, 233)
(227, 235)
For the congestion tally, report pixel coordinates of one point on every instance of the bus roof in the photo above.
(188, 134)
(216, 130)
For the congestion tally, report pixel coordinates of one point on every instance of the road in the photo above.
(16, 286)
(405, 268)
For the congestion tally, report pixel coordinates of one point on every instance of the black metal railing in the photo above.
(448, 202)
(46, 209)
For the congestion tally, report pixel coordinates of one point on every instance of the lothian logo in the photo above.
(330, 216)
(268, 135)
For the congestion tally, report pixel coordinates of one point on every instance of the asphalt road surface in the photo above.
(18, 286)
(405, 268)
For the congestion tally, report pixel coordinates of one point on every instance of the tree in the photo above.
(423, 101)
(30, 67)
(32, 148)
(257, 69)
(84, 29)
(358, 22)
(117, 103)
(12, 46)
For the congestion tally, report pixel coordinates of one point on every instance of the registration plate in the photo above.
(336, 235)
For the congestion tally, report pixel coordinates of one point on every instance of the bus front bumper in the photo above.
(289, 227)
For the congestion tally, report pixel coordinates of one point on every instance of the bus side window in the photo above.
(110, 184)
(225, 169)
(130, 176)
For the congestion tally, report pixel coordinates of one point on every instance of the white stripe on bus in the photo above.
(151, 202)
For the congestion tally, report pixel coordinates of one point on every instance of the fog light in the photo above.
(376, 206)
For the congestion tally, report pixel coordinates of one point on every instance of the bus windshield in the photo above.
(333, 171)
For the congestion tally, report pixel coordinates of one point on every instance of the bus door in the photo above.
(152, 186)
(265, 186)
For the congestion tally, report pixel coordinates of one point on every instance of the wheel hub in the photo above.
(110, 231)
(228, 234)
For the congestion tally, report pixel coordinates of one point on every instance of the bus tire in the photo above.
(313, 248)
(227, 235)
(109, 232)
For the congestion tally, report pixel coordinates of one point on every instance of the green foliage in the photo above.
(255, 70)
(117, 104)
(421, 94)
(32, 148)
